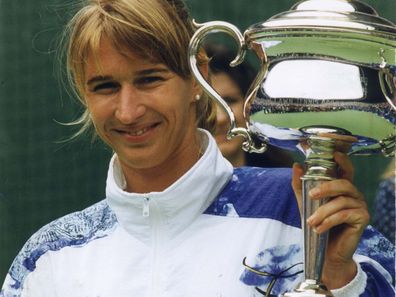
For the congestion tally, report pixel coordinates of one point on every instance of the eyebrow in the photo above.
(98, 78)
(101, 78)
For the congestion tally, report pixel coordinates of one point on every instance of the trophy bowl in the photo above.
(326, 80)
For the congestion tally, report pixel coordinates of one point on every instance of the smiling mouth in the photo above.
(136, 133)
(139, 132)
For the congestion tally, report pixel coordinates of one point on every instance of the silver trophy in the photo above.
(327, 81)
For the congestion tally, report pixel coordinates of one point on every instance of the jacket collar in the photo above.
(177, 206)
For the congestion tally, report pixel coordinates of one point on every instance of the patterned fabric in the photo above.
(256, 214)
(281, 264)
(244, 196)
(76, 229)
(375, 246)
(384, 216)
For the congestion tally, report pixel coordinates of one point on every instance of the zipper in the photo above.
(146, 206)
(157, 241)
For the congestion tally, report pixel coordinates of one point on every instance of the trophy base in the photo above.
(310, 288)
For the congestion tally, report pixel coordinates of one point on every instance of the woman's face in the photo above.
(230, 92)
(141, 109)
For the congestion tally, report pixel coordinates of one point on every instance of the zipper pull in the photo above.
(146, 206)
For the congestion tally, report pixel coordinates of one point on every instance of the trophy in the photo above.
(326, 80)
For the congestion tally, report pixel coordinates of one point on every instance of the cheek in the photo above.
(183, 107)
(238, 112)
(98, 111)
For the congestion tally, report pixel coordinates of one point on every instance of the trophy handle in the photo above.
(202, 31)
(385, 79)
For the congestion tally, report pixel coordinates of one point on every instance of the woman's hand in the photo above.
(346, 214)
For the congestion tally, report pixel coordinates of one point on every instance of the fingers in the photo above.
(345, 170)
(347, 204)
(340, 210)
(334, 188)
(345, 166)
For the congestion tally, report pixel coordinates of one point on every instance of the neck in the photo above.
(238, 160)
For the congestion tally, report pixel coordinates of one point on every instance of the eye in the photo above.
(148, 81)
(231, 100)
(105, 88)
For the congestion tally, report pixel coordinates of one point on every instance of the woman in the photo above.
(232, 84)
(177, 220)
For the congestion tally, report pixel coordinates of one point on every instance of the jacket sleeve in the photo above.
(31, 273)
(22, 281)
(376, 256)
(377, 283)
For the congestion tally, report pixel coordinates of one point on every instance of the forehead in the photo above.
(107, 58)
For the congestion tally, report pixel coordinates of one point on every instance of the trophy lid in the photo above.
(345, 25)
(322, 14)
(344, 14)
(342, 6)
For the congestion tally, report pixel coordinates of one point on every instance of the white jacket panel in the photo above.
(189, 240)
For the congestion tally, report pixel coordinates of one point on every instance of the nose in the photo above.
(129, 105)
(221, 116)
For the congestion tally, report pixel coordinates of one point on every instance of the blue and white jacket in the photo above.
(190, 240)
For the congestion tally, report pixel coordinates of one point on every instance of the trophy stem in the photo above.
(320, 167)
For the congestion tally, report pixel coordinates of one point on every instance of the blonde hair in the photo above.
(158, 30)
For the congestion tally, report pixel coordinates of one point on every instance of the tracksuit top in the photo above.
(215, 232)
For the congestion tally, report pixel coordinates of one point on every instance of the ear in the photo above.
(204, 69)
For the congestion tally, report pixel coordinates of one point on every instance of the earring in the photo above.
(197, 97)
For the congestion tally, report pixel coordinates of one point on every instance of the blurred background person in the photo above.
(384, 210)
(232, 84)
